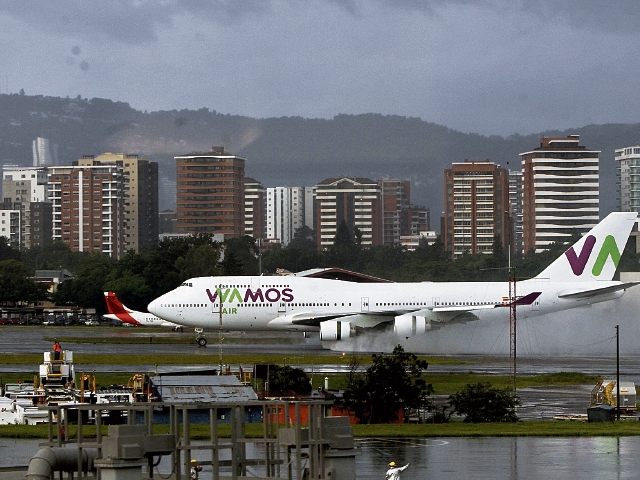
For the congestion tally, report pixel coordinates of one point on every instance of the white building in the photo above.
(628, 173)
(25, 190)
(285, 212)
(560, 190)
(44, 153)
(10, 226)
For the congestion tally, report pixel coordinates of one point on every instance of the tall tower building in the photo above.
(559, 192)
(354, 200)
(25, 190)
(44, 154)
(140, 178)
(515, 205)
(254, 208)
(88, 208)
(396, 198)
(476, 207)
(628, 178)
(285, 212)
(210, 193)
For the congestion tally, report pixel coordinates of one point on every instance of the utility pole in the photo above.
(618, 371)
(513, 329)
(220, 335)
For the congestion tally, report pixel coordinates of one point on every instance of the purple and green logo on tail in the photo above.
(579, 262)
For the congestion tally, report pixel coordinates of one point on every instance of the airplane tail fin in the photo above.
(596, 255)
(114, 305)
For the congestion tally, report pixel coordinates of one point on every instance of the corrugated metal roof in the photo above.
(203, 388)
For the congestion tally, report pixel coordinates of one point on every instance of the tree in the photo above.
(284, 379)
(16, 285)
(391, 383)
(481, 402)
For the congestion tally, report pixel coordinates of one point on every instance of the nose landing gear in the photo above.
(200, 338)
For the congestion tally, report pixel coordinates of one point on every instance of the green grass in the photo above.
(454, 429)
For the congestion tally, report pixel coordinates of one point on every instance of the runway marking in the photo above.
(412, 443)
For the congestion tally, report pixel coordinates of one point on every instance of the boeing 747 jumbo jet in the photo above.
(339, 309)
(117, 311)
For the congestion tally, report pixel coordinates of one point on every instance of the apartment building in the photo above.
(210, 193)
(515, 206)
(560, 192)
(25, 190)
(88, 208)
(285, 213)
(396, 198)
(140, 177)
(356, 201)
(254, 208)
(476, 203)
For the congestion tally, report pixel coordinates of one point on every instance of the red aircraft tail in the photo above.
(115, 307)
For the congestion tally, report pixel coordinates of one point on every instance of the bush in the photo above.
(482, 402)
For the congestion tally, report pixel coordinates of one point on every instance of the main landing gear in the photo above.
(200, 338)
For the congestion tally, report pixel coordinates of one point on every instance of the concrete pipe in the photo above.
(49, 460)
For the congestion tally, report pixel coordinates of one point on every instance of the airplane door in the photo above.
(364, 304)
(255, 283)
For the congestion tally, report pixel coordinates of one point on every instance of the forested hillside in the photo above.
(284, 151)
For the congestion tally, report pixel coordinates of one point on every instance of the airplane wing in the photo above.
(373, 318)
(578, 293)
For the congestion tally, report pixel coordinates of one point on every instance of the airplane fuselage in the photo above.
(300, 303)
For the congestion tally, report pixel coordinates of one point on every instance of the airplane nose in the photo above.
(152, 307)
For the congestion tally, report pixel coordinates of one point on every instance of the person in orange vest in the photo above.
(57, 349)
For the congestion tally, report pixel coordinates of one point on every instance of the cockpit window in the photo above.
(186, 284)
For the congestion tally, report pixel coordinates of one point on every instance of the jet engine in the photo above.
(332, 330)
(409, 325)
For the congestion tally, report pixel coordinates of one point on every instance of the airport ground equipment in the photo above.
(605, 392)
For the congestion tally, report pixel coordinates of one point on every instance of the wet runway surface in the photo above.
(537, 402)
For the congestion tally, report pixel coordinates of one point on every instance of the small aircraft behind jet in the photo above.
(338, 309)
(117, 311)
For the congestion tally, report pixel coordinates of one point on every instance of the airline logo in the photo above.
(271, 295)
(579, 262)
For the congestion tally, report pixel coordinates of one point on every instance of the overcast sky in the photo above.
(486, 66)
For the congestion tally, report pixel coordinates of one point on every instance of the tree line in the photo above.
(138, 278)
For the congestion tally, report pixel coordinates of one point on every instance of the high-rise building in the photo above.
(254, 208)
(285, 212)
(10, 226)
(354, 200)
(396, 198)
(140, 178)
(210, 193)
(25, 190)
(44, 153)
(515, 205)
(628, 178)
(559, 192)
(88, 208)
(419, 220)
(476, 207)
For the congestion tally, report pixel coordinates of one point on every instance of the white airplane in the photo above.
(117, 311)
(338, 309)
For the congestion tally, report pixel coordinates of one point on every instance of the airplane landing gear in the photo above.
(200, 338)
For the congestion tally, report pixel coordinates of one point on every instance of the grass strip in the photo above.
(454, 429)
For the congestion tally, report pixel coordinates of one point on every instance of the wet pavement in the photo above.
(537, 402)
(488, 458)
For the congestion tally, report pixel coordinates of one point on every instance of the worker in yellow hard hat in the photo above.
(394, 471)
(195, 469)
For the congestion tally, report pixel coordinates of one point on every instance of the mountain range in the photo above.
(286, 151)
